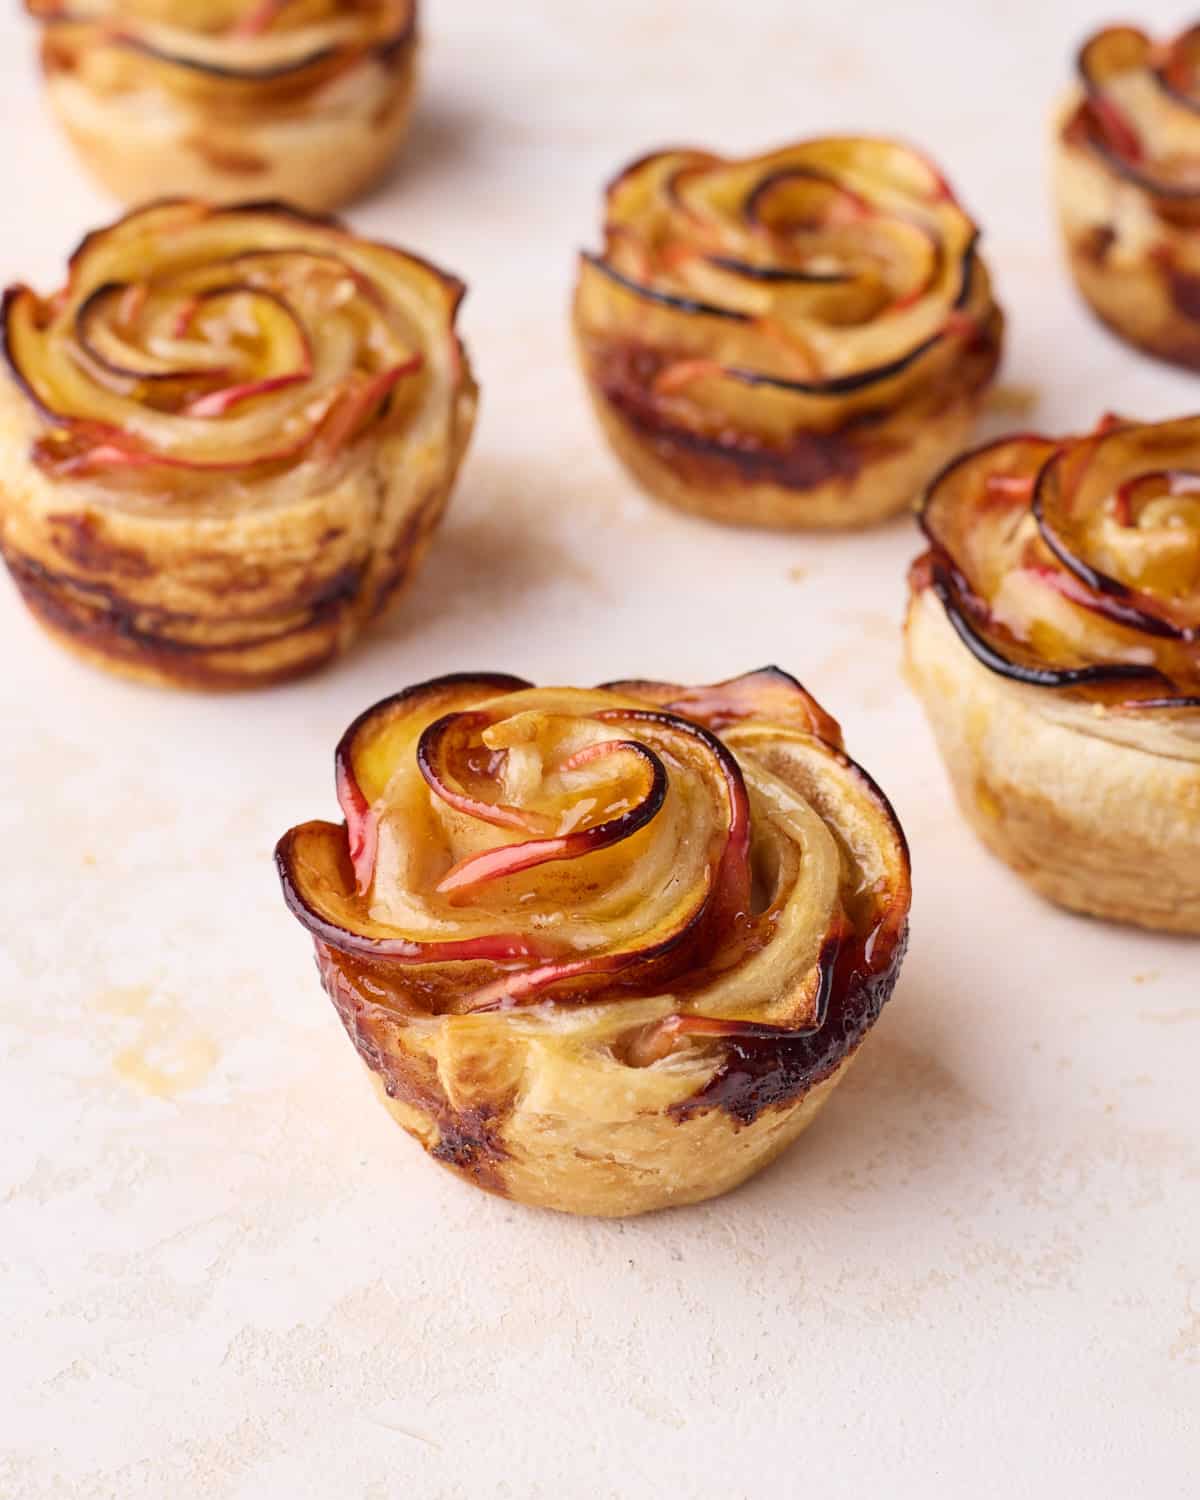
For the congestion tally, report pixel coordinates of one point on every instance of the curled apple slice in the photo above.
(269, 44)
(1103, 57)
(310, 860)
(596, 827)
(1075, 564)
(770, 694)
(372, 748)
(1122, 514)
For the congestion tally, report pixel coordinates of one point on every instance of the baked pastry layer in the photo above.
(1092, 823)
(604, 951)
(792, 340)
(224, 445)
(1127, 183)
(1053, 639)
(304, 101)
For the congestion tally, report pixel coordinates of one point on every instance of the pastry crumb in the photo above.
(1013, 400)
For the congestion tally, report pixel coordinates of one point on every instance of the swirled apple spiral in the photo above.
(795, 339)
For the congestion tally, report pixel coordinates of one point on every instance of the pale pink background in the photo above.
(228, 1275)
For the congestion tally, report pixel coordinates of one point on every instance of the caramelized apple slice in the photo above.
(1075, 564)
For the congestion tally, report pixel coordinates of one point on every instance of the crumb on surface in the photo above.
(1013, 400)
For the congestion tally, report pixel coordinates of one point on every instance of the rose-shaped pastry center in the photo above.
(1078, 563)
(819, 264)
(507, 844)
(824, 252)
(1145, 535)
(588, 833)
(190, 340)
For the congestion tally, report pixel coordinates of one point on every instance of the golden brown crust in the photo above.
(873, 470)
(300, 618)
(1127, 185)
(550, 1160)
(795, 340)
(168, 563)
(155, 108)
(543, 1025)
(1094, 825)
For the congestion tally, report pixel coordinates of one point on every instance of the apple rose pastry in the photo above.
(305, 100)
(1128, 187)
(603, 951)
(794, 340)
(224, 444)
(1054, 636)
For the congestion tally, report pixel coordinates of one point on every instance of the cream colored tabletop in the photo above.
(226, 1274)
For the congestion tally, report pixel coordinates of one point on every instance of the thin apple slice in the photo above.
(511, 859)
(320, 890)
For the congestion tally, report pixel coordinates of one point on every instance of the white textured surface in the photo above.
(227, 1274)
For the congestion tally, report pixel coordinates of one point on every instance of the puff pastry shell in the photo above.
(225, 442)
(302, 100)
(603, 951)
(799, 339)
(1054, 638)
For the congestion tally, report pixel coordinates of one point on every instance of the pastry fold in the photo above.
(302, 100)
(603, 951)
(799, 339)
(1127, 182)
(225, 442)
(1054, 637)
